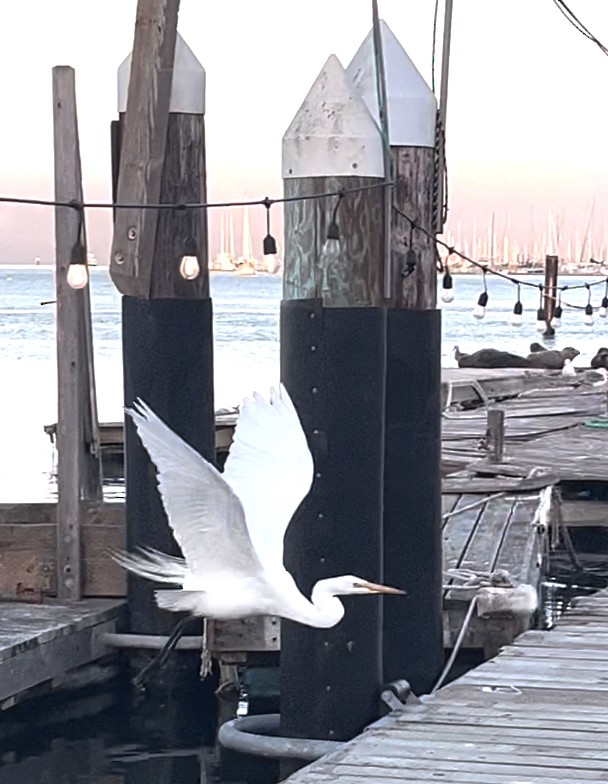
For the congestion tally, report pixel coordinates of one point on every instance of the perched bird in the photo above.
(568, 370)
(230, 526)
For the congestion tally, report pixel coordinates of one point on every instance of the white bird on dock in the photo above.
(568, 370)
(230, 526)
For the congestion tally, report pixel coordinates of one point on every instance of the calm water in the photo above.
(246, 351)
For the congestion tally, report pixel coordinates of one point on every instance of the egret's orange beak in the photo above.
(375, 588)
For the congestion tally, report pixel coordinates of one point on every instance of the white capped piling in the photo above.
(412, 112)
(412, 644)
(333, 143)
(332, 362)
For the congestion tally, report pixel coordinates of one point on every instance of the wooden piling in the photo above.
(495, 435)
(333, 334)
(167, 320)
(78, 453)
(412, 638)
(550, 289)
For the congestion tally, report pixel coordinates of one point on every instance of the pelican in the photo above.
(230, 527)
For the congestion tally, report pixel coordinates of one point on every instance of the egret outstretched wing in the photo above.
(206, 516)
(270, 468)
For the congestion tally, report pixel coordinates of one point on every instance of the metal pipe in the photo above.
(443, 104)
(387, 156)
(258, 736)
(150, 641)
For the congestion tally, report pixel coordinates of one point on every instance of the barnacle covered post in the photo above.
(159, 158)
(333, 336)
(413, 645)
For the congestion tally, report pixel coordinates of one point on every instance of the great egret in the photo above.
(230, 526)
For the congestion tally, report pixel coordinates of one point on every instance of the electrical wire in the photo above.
(434, 49)
(194, 205)
(578, 25)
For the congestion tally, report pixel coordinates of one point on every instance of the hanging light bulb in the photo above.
(518, 310)
(556, 321)
(269, 242)
(603, 311)
(78, 271)
(540, 313)
(479, 311)
(447, 287)
(588, 319)
(189, 267)
(331, 247)
(411, 260)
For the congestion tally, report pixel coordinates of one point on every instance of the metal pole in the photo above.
(443, 106)
(388, 161)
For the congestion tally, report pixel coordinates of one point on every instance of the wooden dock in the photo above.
(43, 646)
(484, 534)
(536, 714)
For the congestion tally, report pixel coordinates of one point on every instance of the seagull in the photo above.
(230, 527)
(568, 370)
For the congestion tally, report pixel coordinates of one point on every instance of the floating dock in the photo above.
(535, 714)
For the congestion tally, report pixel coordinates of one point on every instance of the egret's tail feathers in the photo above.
(153, 565)
(180, 601)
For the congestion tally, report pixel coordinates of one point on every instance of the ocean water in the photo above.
(246, 334)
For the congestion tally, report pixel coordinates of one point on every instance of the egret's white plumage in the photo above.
(230, 526)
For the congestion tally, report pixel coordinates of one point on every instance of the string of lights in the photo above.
(265, 202)
(479, 311)
(189, 267)
(578, 25)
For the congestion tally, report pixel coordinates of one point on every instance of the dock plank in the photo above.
(42, 643)
(525, 716)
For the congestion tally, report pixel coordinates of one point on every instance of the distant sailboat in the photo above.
(223, 262)
(246, 264)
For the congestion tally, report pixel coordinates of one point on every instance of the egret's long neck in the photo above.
(329, 609)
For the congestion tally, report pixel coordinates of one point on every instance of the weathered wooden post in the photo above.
(413, 645)
(78, 456)
(333, 334)
(166, 315)
(495, 435)
(550, 292)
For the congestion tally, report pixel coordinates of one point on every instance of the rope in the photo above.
(446, 670)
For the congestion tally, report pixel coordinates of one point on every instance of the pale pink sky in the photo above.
(527, 115)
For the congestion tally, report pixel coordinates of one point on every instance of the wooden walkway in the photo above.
(555, 429)
(42, 645)
(536, 714)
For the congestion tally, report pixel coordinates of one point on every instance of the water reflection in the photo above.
(110, 736)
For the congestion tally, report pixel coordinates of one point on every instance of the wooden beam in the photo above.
(143, 145)
(78, 469)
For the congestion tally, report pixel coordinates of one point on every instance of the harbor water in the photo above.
(246, 354)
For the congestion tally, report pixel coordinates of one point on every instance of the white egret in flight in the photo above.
(230, 526)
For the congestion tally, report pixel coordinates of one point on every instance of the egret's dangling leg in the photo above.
(206, 660)
(161, 658)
